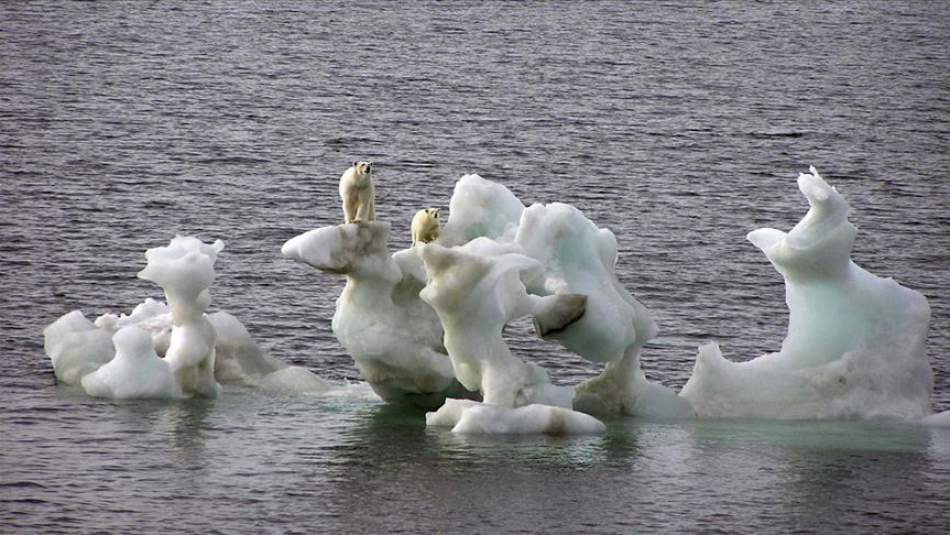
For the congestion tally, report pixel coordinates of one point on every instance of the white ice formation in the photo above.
(425, 325)
(467, 416)
(421, 319)
(76, 346)
(543, 252)
(855, 343)
(109, 358)
(185, 270)
(475, 296)
(580, 258)
(136, 371)
(424, 319)
(394, 338)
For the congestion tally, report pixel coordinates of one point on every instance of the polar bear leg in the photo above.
(364, 209)
(349, 208)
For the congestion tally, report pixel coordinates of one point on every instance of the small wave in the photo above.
(234, 159)
(24, 500)
(770, 135)
(411, 164)
(21, 485)
(350, 140)
(158, 204)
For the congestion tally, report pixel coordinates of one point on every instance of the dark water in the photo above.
(681, 128)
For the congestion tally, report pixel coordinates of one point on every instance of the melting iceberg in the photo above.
(426, 323)
(855, 343)
(394, 338)
(573, 257)
(168, 350)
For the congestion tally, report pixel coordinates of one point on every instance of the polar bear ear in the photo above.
(435, 212)
(355, 164)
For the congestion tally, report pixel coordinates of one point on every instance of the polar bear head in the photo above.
(363, 168)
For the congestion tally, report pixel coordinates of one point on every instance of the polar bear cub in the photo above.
(425, 225)
(356, 190)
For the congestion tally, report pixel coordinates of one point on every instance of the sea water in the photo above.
(679, 128)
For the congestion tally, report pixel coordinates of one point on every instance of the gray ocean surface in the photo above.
(679, 127)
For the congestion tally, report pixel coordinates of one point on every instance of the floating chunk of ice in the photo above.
(855, 342)
(465, 416)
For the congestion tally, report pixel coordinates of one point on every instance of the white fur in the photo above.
(356, 190)
(425, 225)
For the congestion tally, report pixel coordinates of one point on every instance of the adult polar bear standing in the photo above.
(356, 190)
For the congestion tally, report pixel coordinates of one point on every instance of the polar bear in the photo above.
(425, 225)
(356, 190)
